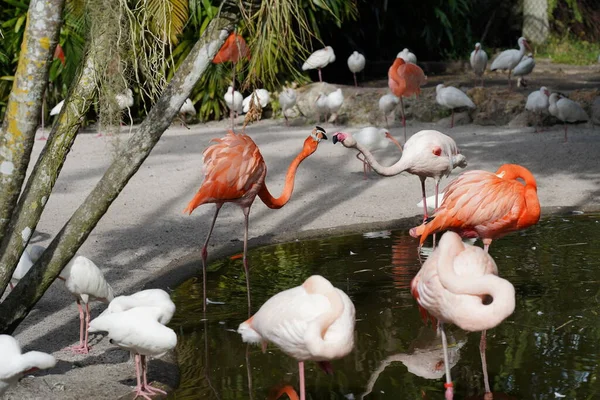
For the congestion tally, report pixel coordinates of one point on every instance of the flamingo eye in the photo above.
(437, 151)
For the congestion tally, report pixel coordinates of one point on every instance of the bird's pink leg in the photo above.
(302, 388)
(320, 78)
(452, 120)
(11, 286)
(425, 216)
(246, 214)
(365, 164)
(448, 385)
(355, 82)
(138, 375)
(403, 118)
(87, 326)
(482, 346)
(437, 189)
(81, 348)
(486, 244)
(205, 255)
(387, 124)
(145, 385)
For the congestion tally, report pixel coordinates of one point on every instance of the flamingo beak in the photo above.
(334, 139)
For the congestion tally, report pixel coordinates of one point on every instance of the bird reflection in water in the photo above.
(404, 254)
(425, 357)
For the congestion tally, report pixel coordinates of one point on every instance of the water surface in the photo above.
(549, 348)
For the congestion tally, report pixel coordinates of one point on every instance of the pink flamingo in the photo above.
(311, 322)
(454, 286)
(427, 154)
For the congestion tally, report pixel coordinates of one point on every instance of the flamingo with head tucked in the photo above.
(311, 322)
(356, 63)
(234, 172)
(451, 286)
(404, 80)
(479, 59)
(319, 60)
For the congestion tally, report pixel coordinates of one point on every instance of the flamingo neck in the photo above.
(400, 166)
(315, 334)
(290, 176)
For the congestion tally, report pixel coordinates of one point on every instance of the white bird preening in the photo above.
(451, 97)
(14, 364)
(234, 100)
(538, 102)
(311, 322)
(287, 100)
(319, 59)
(335, 100)
(263, 98)
(146, 298)
(139, 331)
(525, 67)
(566, 110)
(387, 104)
(407, 56)
(509, 59)
(479, 59)
(356, 63)
(374, 139)
(451, 286)
(86, 282)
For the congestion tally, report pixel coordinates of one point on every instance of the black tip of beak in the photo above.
(334, 139)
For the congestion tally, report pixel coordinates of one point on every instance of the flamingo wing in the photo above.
(413, 76)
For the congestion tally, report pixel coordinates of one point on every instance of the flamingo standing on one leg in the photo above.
(451, 286)
(427, 154)
(235, 173)
(404, 80)
(356, 63)
(311, 322)
(319, 60)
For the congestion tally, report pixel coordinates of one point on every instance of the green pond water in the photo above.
(548, 349)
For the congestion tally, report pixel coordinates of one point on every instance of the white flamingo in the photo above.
(479, 59)
(538, 102)
(451, 97)
(319, 60)
(356, 63)
(287, 101)
(263, 98)
(311, 322)
(407, 56)
(86, 282)
(525, 67)
(335, 100)
(139, 331)
(145, 298)
(14, 364)
(566, 110)
(509, 59)
(387, 104)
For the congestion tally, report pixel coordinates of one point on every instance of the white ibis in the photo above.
(234, 100)
(287, 100)
(374, 139)
(335, 100)
(31, 254)
(509, 59)
(356, 63)
(524, 68)
(86, 282)
(538, 102)
(263, 98)
(566, 110)
(479, 59)
(14, 364)
(451, 97)
(321, 106)
(319, 59)
(407, 56)
(186, 109)
(387, 104)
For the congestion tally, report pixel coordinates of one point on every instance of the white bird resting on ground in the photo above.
(479, 59)
(451, 97)
(407, 56)
(538, 102)
(319, 60)
(321, 106)
(263, 98)
(525, 67)
(14, 364)
(356, 63)
(335, 100)
(566, 110)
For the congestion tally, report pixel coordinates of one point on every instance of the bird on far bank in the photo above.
(287, 101)
(426, 154)
(566, 110)
(451, 97)
(264, 97)
(356, 63)
(374, 139)
(311, 322)
(319, 60)
(187, 109)
(321, 106)
(388, 103)
(509, 59)
(15, 365)
(233, 49)
(234, 100)
(538, 102)
(525, 67)
(86, 282)
(407, 56)
(404, 80)
(451, 286)
(335, 100)
(479, 59)
(234, 172)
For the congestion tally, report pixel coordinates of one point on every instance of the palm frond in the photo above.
(167, 18)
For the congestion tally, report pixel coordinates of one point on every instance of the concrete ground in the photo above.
(145, 235)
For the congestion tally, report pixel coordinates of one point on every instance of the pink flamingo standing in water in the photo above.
(452, 285)
(311, 322)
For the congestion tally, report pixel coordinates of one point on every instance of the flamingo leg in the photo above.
(509, 82)
(482, 345)
(232, 93)
(452, 119)
(403, 118)
(138, 374)
(246, 214)
(205, 256)
(437, 190)
(425, 216)
(355, 82)
(566, 139)
(387, 124)
(87, 326)
(365, 164)
(302, 388)
(486, 244)
(320, 78)
(448, 385)
(146, 386)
